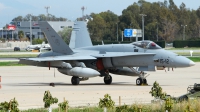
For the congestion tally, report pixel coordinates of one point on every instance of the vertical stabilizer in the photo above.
(56, 42)
(80, 36)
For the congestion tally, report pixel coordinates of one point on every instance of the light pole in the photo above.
(117, 31)
(6, 34)
(2, 31)
(130, 28)
(157, 30)
(122, 35)
(183, 31)
(143, 25)
(130, 25)
(47, 8)
(30, 30)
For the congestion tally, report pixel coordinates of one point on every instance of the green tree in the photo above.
(37, 41)
(42, 17)
(65, 34)
(20, 34)
(103, 26)
(96, 27)
(19, 18)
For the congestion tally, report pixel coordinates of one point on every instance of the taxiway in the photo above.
(28, 84)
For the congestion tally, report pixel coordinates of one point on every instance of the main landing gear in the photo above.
(75, 80)
(108, 79)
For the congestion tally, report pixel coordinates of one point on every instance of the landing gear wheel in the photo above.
(138, 81)
(145, 81)
(75, 80)
(108, 79)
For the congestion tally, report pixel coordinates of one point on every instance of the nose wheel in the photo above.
(140, 81)
(108, 79)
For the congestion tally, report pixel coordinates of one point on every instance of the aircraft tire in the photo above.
(75, 80)
(138, 81)
(144, 81)
(108, 79)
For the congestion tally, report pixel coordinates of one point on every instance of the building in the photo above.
(11, 32)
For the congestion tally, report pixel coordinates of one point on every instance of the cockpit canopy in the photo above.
(146, 44)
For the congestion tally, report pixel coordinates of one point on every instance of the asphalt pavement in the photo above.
(28, 84)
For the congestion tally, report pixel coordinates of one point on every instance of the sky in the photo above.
(70, 9)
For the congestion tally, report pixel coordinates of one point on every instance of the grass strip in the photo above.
(19, 56)
(192, 106)
(189, 48)
(195, 59)
(188, 54)
(10, 63)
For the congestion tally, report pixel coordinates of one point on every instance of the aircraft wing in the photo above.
(120, 54)
(88, 57)
(59, 58)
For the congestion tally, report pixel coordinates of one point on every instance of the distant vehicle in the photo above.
(193, 91)
(38, 47)
(169, 44)
(16, 49)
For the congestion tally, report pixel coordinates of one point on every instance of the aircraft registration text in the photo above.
(164, 61)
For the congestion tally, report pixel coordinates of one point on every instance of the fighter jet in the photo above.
(40, 47)
(87, 61)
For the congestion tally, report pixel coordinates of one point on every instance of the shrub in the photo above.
(106, 102)
(63, 105)
(12, 106)
(48, 99)
(156, 91)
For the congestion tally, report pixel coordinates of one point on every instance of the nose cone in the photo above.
(181, 61)
(192, 63)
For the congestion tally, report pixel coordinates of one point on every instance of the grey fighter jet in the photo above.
(86, 61)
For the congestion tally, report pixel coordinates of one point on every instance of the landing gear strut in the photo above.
(108, 79)
(75, 80)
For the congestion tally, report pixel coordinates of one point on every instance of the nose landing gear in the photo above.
(140, 81)
(142, 78)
